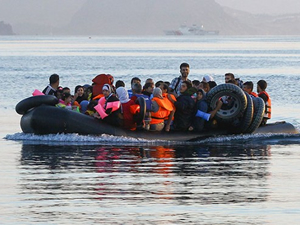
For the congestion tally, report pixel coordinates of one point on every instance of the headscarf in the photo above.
(203, 93)
(207, 78)
(157, 93)
(123, 95)
(106, 87)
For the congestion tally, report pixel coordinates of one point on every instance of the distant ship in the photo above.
(191, 30)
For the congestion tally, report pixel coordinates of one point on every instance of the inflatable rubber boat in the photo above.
(41, 116)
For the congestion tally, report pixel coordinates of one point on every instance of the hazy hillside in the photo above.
(270, 7)
(149, 17)
(38, 16)
(6, 29)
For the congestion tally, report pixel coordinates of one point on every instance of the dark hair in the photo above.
(212, 84)
(90, 88)
(204, 84)
(60, 89)
(120, 83)
(230, 74)
(77, 87)
(165, 87)
(158, 83)
(53, 78)
(65, 95)
(66, 89)
(167, 83)
(149, 80)
(249, 84)
(233, 82)
(202, 91)
(184, 65)
(135, 78)
(188, 84)
(137, 87)
(196, 82)
(262, 84)
(147, 85)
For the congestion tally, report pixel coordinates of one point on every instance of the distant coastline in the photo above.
(6, 29)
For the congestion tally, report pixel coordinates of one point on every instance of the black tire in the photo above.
(258, 115)
(245, 121)
(237, 107)
(139, 117)
(28, 103)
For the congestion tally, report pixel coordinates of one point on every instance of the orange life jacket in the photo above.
(268, 108)
(165, 108)
(254, 94)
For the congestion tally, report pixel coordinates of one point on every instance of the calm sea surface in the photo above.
(73, 179)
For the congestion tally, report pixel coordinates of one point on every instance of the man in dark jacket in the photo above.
(184, 113)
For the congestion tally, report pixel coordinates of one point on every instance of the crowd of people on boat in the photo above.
(177, 105)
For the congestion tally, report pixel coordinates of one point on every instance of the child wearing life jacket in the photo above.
(65, 101)
(261, 90)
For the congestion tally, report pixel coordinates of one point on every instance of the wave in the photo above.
(76, 139)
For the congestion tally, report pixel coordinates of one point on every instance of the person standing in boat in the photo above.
(230, 78)
(176, 82)
(261, 90)
(108, 108)
(51, 89)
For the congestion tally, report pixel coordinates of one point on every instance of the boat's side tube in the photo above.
(28, 103)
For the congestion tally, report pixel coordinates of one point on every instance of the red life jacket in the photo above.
(99, 81)
(128, 122)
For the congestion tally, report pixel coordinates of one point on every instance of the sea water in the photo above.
(75, 179)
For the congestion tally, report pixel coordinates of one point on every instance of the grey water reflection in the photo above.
(189, 175)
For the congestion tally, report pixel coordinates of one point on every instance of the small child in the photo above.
(65, 101)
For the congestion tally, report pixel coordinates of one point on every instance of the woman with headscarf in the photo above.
(126, 108)
(160, 110)
(108, 107)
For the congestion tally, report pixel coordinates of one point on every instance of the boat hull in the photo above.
(46, 119)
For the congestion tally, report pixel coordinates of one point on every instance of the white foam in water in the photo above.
(76, 139)
(247, 138)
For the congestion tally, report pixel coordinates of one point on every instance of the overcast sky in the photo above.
(263, 6)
